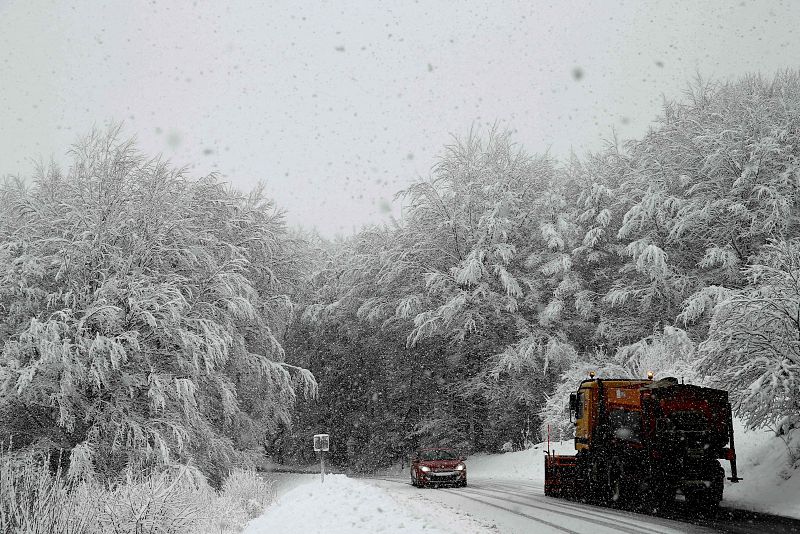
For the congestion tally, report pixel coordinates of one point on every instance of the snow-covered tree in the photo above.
(753, 345)
(615, 259)
(675, 221)
(141, 313)
(711, 183)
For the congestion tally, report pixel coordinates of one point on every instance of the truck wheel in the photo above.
(660, 495)
(705, 502)
(616, 488)
(598, 492)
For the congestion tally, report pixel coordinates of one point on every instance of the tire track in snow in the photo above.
(590, 510)
(515, 512)
(460, 493)
(586, 516)
(594, 519)
(620, 522)
(729, 520)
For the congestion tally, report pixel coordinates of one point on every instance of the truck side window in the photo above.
(579, 406)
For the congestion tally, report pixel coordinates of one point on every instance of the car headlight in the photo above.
(460, 467)
(424, 468)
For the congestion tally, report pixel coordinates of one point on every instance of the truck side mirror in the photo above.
(573, 408)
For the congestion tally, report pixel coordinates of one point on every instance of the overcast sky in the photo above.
(335, 106)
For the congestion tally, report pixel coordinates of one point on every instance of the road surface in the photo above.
(511, 506)
(519, 506)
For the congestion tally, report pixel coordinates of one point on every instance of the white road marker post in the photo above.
(321, 445)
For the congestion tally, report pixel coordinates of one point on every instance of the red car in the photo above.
(431, 467)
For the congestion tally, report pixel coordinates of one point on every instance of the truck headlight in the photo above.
(460, 467)
(424, 468)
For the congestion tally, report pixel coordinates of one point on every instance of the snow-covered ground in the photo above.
(522, 465)
(344, 505)
(770, 484)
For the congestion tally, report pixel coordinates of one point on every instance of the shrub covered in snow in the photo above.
(175, 501)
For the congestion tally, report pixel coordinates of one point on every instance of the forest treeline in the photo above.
(149, 318)
(511, 275)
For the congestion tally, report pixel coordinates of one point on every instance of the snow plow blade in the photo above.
(561, 477)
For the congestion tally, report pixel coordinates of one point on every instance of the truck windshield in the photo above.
(437, 455)
(625, 425)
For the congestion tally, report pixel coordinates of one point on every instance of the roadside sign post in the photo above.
(322, 445)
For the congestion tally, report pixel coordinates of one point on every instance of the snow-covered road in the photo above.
(513, 506)
(521, 507)
(488, 505)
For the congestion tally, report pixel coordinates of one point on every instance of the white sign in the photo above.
(321, 442)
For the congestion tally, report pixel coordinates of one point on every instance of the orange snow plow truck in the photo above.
(645, 439)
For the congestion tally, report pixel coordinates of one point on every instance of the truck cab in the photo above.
(614, 401)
